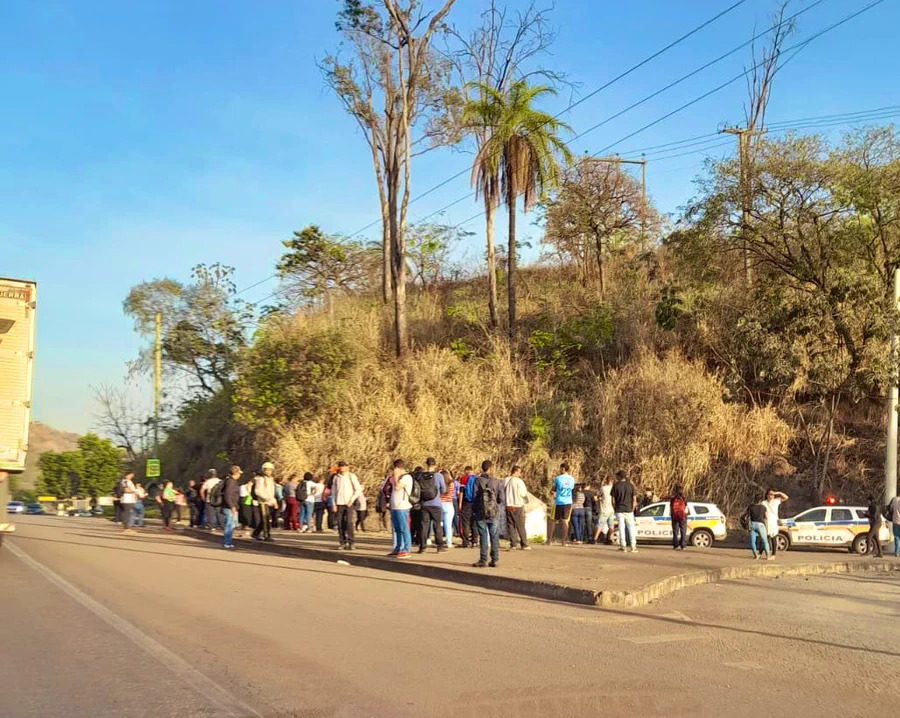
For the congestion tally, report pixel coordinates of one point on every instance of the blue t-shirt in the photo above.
(563, 486)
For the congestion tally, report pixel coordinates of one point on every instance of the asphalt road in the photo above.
(94, 623)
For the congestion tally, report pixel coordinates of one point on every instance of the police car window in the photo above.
(698, 509)
(654, 510)
(814, 515)
(841, 515)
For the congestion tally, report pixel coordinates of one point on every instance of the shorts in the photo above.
(607, 519)
(562, 512)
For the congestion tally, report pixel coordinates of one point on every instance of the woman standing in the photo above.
(578, 513)
(448, 507)
(318, 492)
(291, 507)
(245, 512)
(166, 501)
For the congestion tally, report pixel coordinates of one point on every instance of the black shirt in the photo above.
(231, 493)
(623, 497)
(590, 499)
(874, 514)
(757, 513)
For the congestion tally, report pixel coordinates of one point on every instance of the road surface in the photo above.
(96, 623)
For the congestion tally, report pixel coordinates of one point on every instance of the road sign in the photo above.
(153, 468)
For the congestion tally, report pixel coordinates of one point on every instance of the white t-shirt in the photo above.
(606, 505)
(400, 494)
(895, 510)
(208, 484)
(128, 495)
(772, 515)
(317, 491)
(310, 496)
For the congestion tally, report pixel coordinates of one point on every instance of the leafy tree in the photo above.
(97, 463)
(55, 468)
(316, 265)
(522, 145)
(428, 249)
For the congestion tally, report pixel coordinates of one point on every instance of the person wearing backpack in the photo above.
(415, 502)
(431, 486)
(212, 517)
(401, 489)
(486, 509)
(678, 512)
(346, 489)
(466, 508)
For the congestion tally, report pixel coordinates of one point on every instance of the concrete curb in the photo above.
(647, 593)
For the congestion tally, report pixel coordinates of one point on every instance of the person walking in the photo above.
(873, 540)
(212, 517)
(757, 514)
(431, 486)
(623, 506)
(401, 489)
(318, 494)
(307, 501)
(127, 499)
(264, 500)
(773, 501)
(362, 511)
(678, 514)
(486, 510)
(166, 501)
(578, 513)
(563, 486)
(140, 493)
(894, 507)
(606, 521)
(516, 501)
(231, 496)
(291, 506)
(466, 512)
(345, 489)
(449, 499)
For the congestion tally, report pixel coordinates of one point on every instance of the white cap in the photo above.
(268, 465)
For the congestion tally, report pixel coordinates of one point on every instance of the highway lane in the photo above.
(288, 637)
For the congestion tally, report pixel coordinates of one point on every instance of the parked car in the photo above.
(840, 526)
(34, 509)
(15, 507)
(705, 524)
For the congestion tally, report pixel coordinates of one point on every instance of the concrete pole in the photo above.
(157, 383)
(890, 459)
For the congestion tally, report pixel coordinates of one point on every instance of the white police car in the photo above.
(705, 524)
(830, 525)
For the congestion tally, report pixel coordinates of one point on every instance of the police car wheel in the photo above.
(701, 539)
(782, 542)
(860, 545)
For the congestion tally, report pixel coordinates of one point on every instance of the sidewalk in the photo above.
(585, 574)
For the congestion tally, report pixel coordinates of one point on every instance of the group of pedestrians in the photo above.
(130, 497)
(762, 517)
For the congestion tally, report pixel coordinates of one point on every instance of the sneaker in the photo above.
(770, 558)
(526, 548)
(442, 549)
(392, 554)
(230, 545)
(623, 549)
(756, 558)
(421, 550)
(493, 564)
(479, 564)
(268, 538)
(404, 554)
(634, 550)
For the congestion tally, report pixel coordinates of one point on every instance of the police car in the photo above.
(705, 524)
(830, 525)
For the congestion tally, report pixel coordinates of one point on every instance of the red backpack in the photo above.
(679, 508)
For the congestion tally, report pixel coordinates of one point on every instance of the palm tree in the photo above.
(522, 146)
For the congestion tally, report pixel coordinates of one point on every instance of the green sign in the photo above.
(152, 468)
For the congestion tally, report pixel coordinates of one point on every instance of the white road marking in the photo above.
(226, 703)
(665, 638)
(678, 616)
(744, 665)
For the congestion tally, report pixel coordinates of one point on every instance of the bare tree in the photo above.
(118, 418)
(394, 85)
(497, 52)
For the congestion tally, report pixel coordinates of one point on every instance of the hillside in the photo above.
(44, 438)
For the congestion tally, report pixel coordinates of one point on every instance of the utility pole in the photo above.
(890, 458)
(743, 136)
(157, 383)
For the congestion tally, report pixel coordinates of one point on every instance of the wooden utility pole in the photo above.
(890, 460)
(743, 136)
(157, 382)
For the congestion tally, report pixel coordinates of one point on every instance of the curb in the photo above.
(636, 598)
(534, 589)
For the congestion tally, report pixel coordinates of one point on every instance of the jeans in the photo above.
(578, 523)
(345, 519)
(679, 533)
(447, 513)
(229, 518)
(488, 529)
(588, 525)
(758, 529)
(402, 535)
(306, 511)
(515, 525)
(896, 538)
(138, 513)
(626, 521)
(213, 516)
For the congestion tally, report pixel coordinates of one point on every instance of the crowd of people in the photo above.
(430, 506)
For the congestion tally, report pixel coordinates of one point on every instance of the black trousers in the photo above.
(431, 515)
(872, 539)
(384, 520)
(261, 521)
(195, 514)
(415, 523)
(467, 525)
(345, 518)
(515, 525)
(679, 533)
(361, 519)
(319, 512)
(245, 515)
(165, 509)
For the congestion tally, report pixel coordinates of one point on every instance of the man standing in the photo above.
(773, 501)
(516, 500)
(345, 489)
(486, 509)
(127, 501)
(193, 498)
(231, 497)
(466, 519)
(401, 488)
(895, 523)
(678, 514)
(431, 486)
(872, 538)
(563, 485)
(212, 516)
(139, 495)
(623, 505)
(648, 498)
(607, 520)
(264, 499)
(757, 514)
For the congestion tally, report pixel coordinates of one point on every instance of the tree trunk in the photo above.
(386, 280)
(600, 266)
(398, 267)
(511, 258)
(489, 210)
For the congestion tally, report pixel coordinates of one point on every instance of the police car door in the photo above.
(840, 525)
(809, 527)
(653, 522)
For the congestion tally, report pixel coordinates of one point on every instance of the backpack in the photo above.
(214, 495)
(302, 491)
(117, 489)
(679, 508)
(489, 508)
(427, 486)
(745, 519)
(415, 496)
(888, 512)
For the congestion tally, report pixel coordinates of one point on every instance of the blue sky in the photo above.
(140, 138)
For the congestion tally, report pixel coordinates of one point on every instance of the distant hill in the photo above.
(43, 438)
